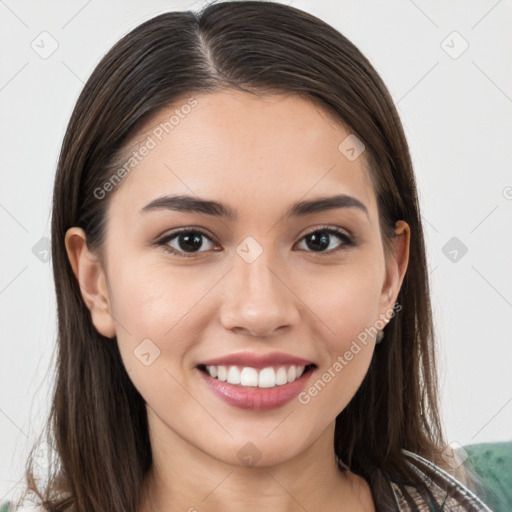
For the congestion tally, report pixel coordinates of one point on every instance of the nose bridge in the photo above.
(257, 300)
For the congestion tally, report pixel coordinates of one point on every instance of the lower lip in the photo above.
(253, 397)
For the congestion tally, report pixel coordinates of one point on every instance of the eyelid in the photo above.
(327, 227)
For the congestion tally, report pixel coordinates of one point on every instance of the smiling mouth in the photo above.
(246, 376)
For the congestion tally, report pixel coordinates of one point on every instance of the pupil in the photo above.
(319, 241)
(193, 241)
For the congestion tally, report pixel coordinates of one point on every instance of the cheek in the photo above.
(346, 306)
(155, 332)
(346, 301)
(160, 314)
(147, 309)
(154, 300)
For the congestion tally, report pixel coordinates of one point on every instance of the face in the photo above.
(285, 296)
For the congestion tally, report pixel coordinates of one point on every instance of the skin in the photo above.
(258, 155)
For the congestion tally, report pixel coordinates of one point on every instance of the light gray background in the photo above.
(457, 114)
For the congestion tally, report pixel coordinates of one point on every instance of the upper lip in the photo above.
(259, 361)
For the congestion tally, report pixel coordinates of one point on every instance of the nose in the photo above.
(258, 299)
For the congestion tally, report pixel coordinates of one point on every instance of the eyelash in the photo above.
(162, 242)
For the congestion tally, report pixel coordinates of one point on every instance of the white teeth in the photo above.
(212, 370)
(250, 377)
(222, 373)
(281, 376)
(267, 378)
(234, 375)
(291, 373)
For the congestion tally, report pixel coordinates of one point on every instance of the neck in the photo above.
(183, 478)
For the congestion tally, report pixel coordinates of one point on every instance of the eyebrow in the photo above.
(184, 203)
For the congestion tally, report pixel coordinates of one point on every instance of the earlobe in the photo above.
(90, 275)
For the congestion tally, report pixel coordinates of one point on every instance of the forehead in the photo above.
(242, 149)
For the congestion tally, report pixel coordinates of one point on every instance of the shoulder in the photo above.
(441, 490)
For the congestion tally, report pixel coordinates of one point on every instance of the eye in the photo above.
(188, 242)
(321, 239)
(185, 243)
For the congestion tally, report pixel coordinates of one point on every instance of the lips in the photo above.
(257, 361)
(256, 381)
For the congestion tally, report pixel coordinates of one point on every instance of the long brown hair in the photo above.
(97, 426)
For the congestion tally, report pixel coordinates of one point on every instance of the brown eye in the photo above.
(184, 243)
(323, 239)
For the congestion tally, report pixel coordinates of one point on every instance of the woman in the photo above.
(242, 289)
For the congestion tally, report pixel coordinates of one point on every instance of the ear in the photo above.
(90, 275)
(396, 266)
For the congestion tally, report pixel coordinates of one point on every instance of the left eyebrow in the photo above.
(193, 204)
(326, 203)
